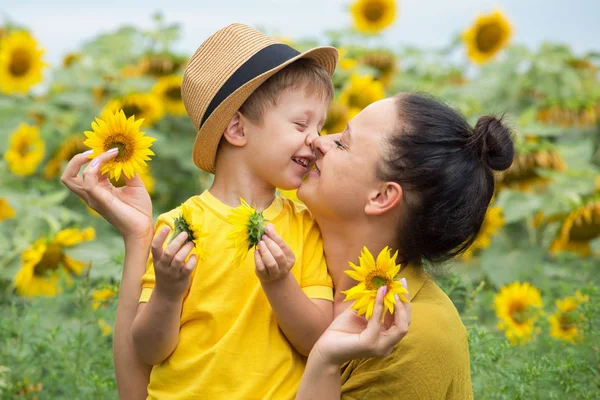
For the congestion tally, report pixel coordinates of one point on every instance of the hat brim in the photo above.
(209, 135)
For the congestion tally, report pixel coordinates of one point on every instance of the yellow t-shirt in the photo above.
(230, 346)
(431, 362)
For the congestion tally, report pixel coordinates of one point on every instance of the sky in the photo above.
(63, 25)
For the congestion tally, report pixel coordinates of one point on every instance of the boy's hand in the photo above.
(172, 274)
(273, 257)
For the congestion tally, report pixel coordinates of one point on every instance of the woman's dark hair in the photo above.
(445, 168)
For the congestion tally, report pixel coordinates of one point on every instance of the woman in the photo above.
(408, 172)
(421, 182)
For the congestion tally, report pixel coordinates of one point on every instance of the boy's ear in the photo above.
(384, 199)
(234, 132)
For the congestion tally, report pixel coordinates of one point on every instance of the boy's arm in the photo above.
(301, 319)
(155, 329)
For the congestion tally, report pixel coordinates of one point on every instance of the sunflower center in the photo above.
(121, 142)
(518, 312)
(50, 260)
(374, 11)
(131, 109)
(174, 93)
(20, 62)
(23, 148)
(488, 37)
(585, 231)
(376, 279)
(358, 100)
(567, 321)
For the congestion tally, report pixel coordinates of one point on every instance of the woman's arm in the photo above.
(347, 338)
(129, 209)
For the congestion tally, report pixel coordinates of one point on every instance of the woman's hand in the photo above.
(127, 208)
(351, 336)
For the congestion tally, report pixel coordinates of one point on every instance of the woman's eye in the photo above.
(338, 144)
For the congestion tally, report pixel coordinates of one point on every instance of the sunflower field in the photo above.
(527, 290)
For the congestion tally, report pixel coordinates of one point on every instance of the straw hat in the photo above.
(223, 73)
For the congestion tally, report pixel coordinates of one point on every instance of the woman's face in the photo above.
(346, 173)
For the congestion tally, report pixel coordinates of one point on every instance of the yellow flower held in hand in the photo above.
(20, 63)
(518, 307)
(373, 16)
(116, 131)
(249, 229)
(185, 223)
(26, 150)
(372, 274)
(490, 34)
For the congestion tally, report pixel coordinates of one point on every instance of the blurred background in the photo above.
(527, 289)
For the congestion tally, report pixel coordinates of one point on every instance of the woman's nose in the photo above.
(323, 144)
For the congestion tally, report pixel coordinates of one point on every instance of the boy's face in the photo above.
(277, 148)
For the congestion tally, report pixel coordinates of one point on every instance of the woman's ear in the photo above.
(234, 132)
(385, 199)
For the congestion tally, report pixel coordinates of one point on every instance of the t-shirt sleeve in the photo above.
(149, 279)
(315, 279)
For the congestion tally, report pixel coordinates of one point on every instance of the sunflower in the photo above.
(145, 175)
(40, 264)
(584, 117)
(383, 62)
(489, 34)
(517, 307)
(580, 227)
(168, 89)
(146, 106)
(371, 275)
(249, 227)
(101, 296)
(123, 133)
(337, 118)
(185, 223)
(70, 59)
(105, 328)
(68, 149)
(20, 63)
(159, 65)
(362, 91)
(566, 323)
(6, 211)
(491, 225)
(26, 150)
(523, 175)
(373, 16)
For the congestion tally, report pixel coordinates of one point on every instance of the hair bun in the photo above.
(493, 141)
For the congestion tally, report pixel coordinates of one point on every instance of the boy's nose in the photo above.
(310, 138)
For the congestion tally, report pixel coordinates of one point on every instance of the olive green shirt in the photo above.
(430, 362)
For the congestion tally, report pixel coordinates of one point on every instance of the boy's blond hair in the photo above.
(303, 73)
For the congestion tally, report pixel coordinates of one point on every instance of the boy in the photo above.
(217, 330)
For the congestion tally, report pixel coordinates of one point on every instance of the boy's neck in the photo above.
(234, 181)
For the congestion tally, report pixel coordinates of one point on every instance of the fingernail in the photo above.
(113, 150)
(403, 281)
(166, 229)
(396, 297)
(87, 153)
(269, 228)
(95, 162)
(384, 290)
